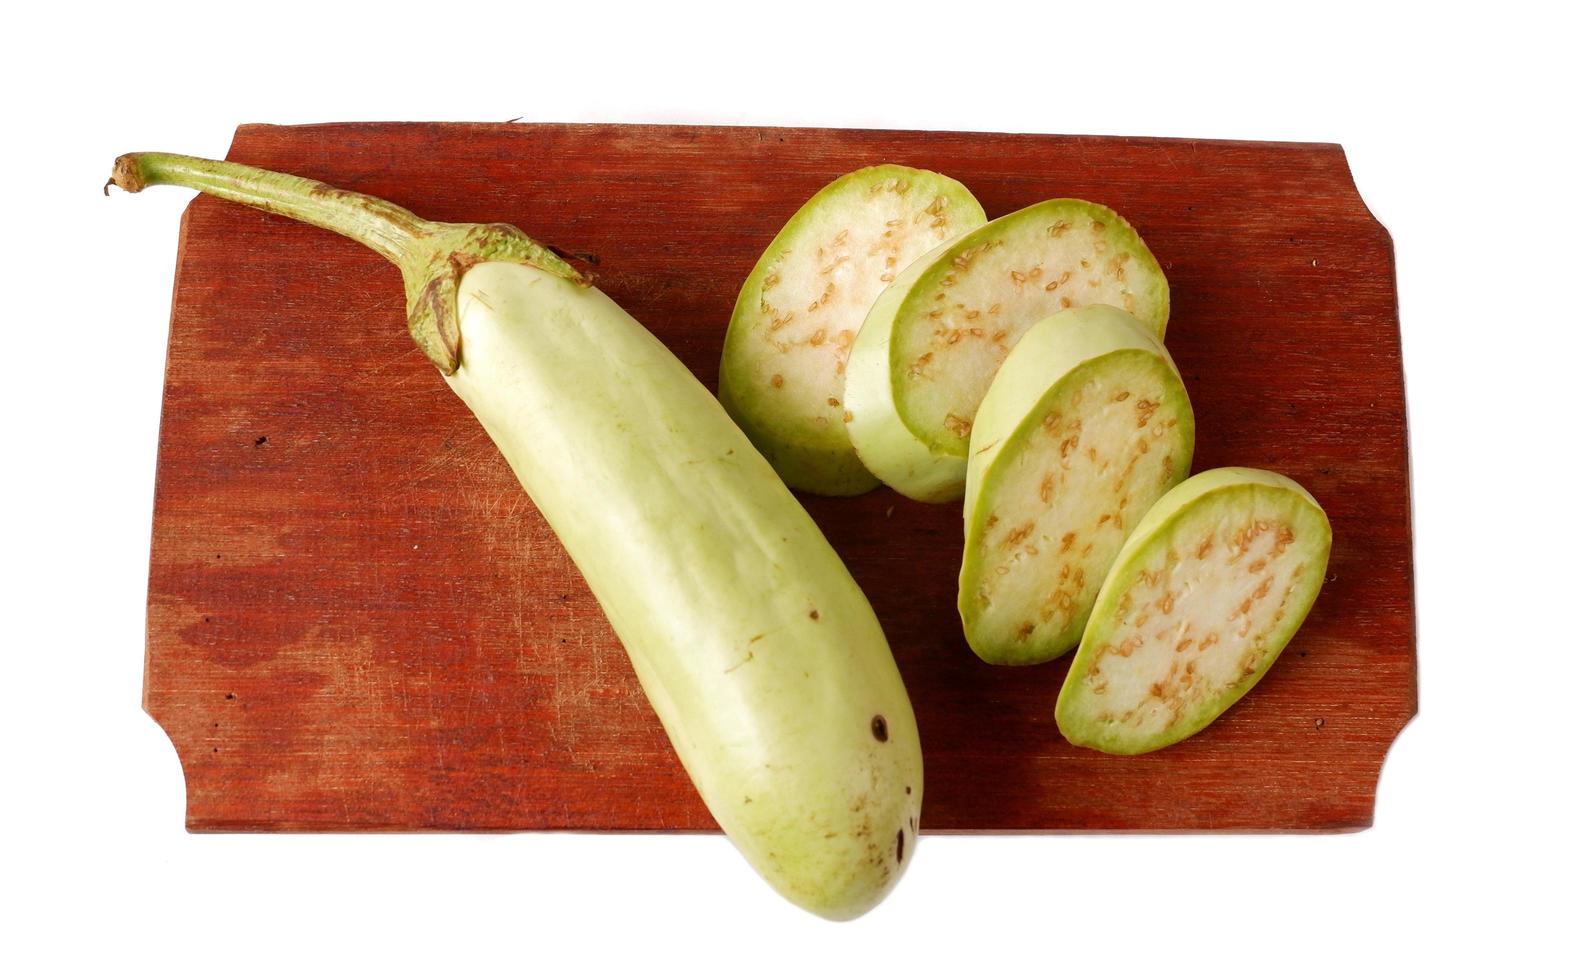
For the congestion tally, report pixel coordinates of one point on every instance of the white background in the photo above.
(1451, 121)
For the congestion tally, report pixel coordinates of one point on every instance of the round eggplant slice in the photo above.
(782, 374)
(1207, 592)
(1086, 425)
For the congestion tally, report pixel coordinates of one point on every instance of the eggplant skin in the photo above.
(757, 650)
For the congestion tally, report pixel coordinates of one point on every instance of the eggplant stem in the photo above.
(431, 255)
(391, 231)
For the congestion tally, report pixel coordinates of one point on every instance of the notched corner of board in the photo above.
(1357, 196)
(1403, 725)
(152, 711)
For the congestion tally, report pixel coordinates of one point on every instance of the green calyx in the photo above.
(432, 255)
(431, 285)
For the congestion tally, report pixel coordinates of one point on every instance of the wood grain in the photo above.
(357, 620)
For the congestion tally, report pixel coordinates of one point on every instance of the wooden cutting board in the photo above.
(357, 620)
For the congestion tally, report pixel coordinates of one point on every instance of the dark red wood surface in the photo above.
(357, 620)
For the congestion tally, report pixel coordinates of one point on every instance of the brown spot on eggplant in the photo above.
(899, 845)
(880, 728)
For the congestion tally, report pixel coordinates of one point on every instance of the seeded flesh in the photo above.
(931, 344)
(782, 374)
(1085, 426)
(1208, 591)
